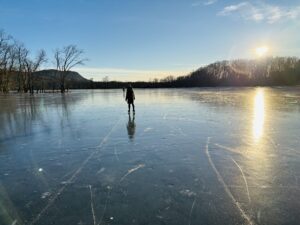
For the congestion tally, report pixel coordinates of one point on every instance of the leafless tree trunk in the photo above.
(22, 54)
(7, 60)
(31, 66)
(65, 59)
(15, 62)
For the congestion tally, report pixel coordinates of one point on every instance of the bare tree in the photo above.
(168, 79)
(7, 60)
(32, 66)
(22, 54)
(65, 59)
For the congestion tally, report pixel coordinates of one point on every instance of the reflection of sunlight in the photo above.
(259, 114)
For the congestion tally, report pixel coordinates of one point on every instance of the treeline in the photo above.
(17, 66)
(274, 71)
(271, 71)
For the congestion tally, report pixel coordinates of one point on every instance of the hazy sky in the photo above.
(142, 39)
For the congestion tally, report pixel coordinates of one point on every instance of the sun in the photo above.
(261, 51)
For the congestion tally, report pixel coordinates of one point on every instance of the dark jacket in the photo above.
(130, 95)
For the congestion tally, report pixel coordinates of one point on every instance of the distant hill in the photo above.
(49, 79)
(267, 72)
(54, 75)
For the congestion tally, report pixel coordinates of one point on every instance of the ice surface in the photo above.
(188, 156)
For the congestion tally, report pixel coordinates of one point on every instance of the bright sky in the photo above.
(143, 39)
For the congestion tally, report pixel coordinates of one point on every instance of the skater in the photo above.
(130, 97)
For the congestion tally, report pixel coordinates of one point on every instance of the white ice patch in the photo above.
(66, 182)
(109, 187)
(147, 129)
(187, 193)
(45, 195)
(101, 170)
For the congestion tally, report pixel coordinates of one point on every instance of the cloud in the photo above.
(206, 3)
(122, 74)
(210, 2)
(232, 8)
(261, 12)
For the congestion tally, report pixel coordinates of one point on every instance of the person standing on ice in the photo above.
(130, 97)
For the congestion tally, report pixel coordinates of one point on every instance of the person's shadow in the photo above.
(131, 127)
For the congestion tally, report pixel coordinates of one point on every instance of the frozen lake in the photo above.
(188, 156)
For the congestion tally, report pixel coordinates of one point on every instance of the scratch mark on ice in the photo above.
(228, 192)
(245, 180)
(116, 154)
(132, 170)
(272, 142)
(228, 149)
(67, 174)
(74, 176)
(92, 206)
(105, 206)
(101, 170)
(191, 211)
